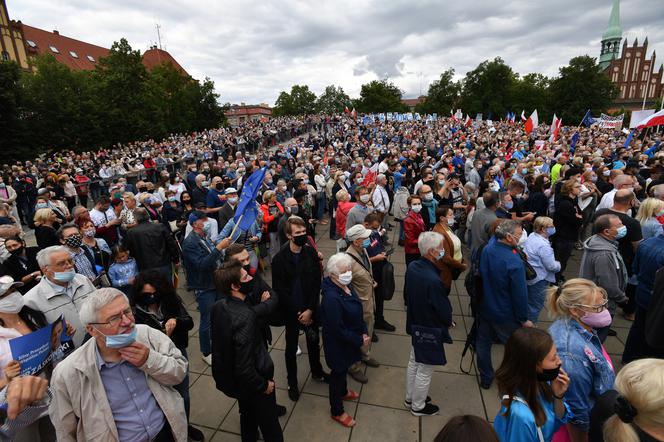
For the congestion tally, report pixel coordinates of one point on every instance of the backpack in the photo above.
(387, 280)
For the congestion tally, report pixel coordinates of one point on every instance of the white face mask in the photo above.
(12, 303)
(346, 277)
(416, 208)
(428, 196)
(364, 198)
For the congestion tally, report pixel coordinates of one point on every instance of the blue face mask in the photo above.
(120, 340)
(441, 254)
(509, 205)
(41, 206)
(64, 276)
(622, 231)
(550, 231)
(366, 243)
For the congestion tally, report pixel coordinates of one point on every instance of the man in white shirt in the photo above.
(380, 198)
(620, 182)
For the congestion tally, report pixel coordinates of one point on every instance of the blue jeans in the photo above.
(536, 298)
(402, 232)
(486, 333)
(205, 299)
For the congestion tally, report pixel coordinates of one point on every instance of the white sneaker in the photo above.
(208, 359)
(297, 353)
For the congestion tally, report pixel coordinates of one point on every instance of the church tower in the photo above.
(611, 38)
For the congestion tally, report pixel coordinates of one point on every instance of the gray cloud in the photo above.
(254, 49)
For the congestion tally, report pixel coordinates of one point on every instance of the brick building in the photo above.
(239, 114)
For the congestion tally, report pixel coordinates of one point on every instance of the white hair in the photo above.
(658, 191)
(44, 255)
(336, 261)
(428, 241)
(97, 300)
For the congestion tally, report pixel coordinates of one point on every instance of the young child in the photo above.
(123, 270)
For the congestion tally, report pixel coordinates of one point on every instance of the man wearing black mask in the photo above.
(215, 198)
(296, 277)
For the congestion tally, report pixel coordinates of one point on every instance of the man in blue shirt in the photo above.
(504, 307)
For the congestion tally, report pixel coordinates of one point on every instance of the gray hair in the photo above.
(338, 260)
(141, 215)
(658, 191)
(507, 227)
(428, 241)
(44, 255)
(97, 300)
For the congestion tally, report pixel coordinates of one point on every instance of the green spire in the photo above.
(611, 38)
(613, 30)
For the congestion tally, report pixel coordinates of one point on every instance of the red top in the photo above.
(340, 215)
(413, 225)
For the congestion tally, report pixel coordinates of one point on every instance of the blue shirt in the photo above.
(213, 198)
(519, 425)
(591, 374)
(541, 258)
(135, 411)
(649, 258)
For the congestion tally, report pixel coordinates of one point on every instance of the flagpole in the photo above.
(239, 220)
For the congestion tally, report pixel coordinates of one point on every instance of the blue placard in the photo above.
(36, 350)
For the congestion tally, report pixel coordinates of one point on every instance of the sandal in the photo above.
(345, 420)
(351, 395)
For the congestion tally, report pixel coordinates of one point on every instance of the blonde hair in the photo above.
(641, 383)
(573, 292)
(542, 222)
(267, 196)
(42, 215)
(649, 207)
(342, 195)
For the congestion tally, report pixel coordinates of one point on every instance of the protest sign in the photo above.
(36, 350)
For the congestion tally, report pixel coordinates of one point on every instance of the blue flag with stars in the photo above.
(575, 139)
(246, 207)
(588, 120)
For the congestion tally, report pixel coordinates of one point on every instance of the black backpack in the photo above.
(387, 280)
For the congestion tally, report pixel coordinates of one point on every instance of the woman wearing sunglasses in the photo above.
(580, 307)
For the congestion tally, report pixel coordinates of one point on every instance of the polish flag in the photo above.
(531, 122)
(655, 119)
(346, 111)
(555, 126)
(354, 113)
(468, 121)
(523, 116)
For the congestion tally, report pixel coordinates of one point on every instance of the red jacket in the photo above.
(340, 216)
(413, 225)
(267, 218)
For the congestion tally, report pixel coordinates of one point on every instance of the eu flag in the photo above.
(246, 207)
(629, 139)
(588, 120)
(575, 139)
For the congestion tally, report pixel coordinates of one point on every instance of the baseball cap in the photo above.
(6, 283)
(358, 231)
(230, 190)
(195, 216)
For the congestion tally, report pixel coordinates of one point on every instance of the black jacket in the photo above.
(225, 214)
(655, 317)
(565, 220)
(46, 237)
(241, 365)
(265, 311)
(18, 268)
(151, 245)
(284, 273)
(173, 309)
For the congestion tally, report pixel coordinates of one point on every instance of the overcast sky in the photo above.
(254, 49)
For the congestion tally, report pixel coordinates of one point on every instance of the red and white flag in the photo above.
(468, 121)
(346, 111)
(655, 119)
(555, 126)
(353, 113)
(532, 122)
(523, 116)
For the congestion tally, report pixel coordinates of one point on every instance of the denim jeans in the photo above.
(205, 299)
(536, 298)
(486, 333)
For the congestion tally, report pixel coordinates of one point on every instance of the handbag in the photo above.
(387, 280)
(428, 344)
(173, 225)
(530, 271)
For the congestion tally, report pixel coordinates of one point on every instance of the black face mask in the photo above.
(17, 251)
(548, 374)
(247, 287)
(149, 299)
(247, 268)
(300, 240)
(219, 186)
(143, 189)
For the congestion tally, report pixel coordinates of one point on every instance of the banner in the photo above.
(609, 122)
(36, 350)
(638, 116)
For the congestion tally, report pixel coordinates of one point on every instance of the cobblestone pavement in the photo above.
(379, 412)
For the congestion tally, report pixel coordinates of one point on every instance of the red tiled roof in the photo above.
(248, 110)
(64, 45)
(154, 57)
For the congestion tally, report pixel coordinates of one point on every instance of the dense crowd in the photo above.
(484, 204)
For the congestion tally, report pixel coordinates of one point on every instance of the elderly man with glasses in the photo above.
(61, 291)
(119, 384)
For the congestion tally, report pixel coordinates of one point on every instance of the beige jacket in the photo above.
(80, 410)
(363, 282)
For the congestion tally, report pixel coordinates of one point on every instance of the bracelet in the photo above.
(559, 397)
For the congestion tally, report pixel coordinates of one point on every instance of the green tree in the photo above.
(332, 100)
(11, 126)
(300, 101)
(581, 86)
(532, 92)
(442, 96)
(380, 96)
(488, 88)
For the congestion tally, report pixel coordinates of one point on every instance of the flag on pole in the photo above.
(467, 122)
(346, 110)
(246, 207)
(523, 116)
(629, 139)
(531, 122)
(655, 119)
(353, 113)
(588, 120)
(575, 139)
(555, 126)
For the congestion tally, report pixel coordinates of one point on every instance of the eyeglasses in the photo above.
(593, 308)
(114, 320)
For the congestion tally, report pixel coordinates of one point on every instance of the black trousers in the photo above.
(636, 346)
(338, 389)
(562, 250)
(313, 349)
(379, 295)
(259, 411)
(410, 257)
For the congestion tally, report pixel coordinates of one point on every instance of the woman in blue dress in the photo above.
(532, 385)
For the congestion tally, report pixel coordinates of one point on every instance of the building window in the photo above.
(622, 91)
(31, 43)
(91, 58)
(615, 69)
(73, 54)
(54, 49)
(5, 56)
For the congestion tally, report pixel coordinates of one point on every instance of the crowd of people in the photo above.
(486, 205)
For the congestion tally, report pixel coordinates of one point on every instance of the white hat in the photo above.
(7, 282)
(358, 231)
(230, 190)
